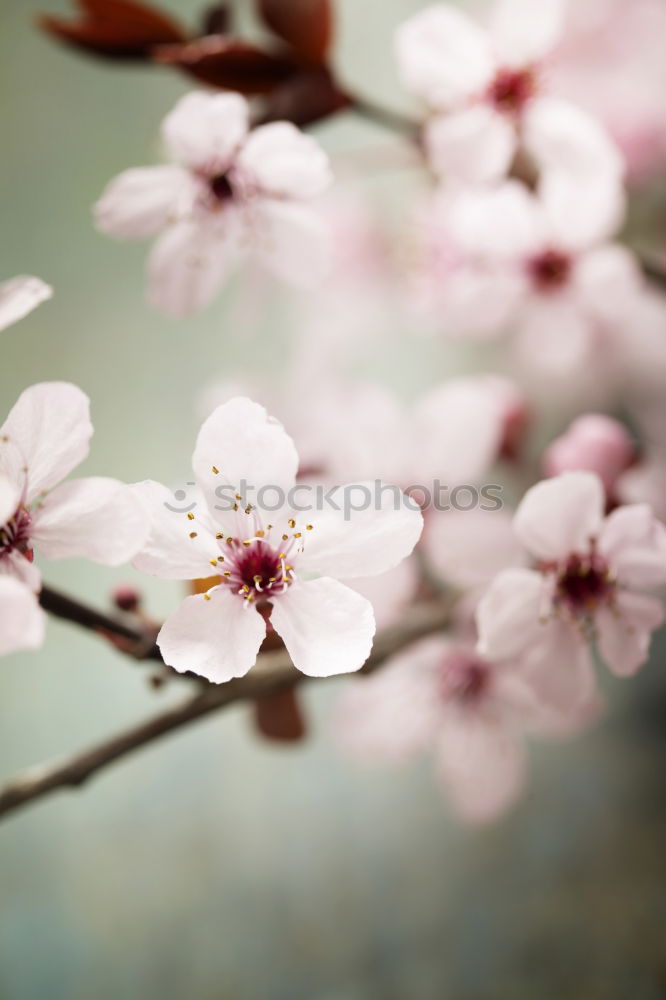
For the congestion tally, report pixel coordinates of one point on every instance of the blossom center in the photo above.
(464, 677)
(221, 188)
(15, 534)
(584, 583)
(511, 90)
(550, 270)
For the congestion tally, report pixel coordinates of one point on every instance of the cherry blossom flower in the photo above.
(485, 91)
(590, 584)
(47, 434)
(542, 266)
(593, 443)
(440, 696)
(280, 562)
(19, 296)
(231, 190)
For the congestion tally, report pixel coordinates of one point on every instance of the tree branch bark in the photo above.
(273, 673)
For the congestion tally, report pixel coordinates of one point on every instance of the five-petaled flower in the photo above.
(231, 190)
(47, 434)
(281, 564)
(589, 585)
(484, 89)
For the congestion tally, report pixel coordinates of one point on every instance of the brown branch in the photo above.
(273, 673)
(386, 117)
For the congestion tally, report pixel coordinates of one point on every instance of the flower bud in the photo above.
(593, 443)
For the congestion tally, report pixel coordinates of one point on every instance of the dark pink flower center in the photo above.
(15, 534)
(221, 188)
(254, 570)
(465, 677)
(512, 89)
(550, 270)
(584, 583)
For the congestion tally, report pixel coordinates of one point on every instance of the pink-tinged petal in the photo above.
(190, 263)
(141, 202)
(291, 240)
(23, 569)
(374, 528)
(49, 426)
(475, 145)
(395, 713)
(443, 56)
(608, 280)
(240, 443)
(563, 137)
(96, 518)
(645, 483)
(593, 443)
(457, 430)
(481, 762)
(523, 35)
(556, 341)
(582, 210)
(469, 548)
(389, 593)
(215, 635)
(558, 667)
(634, 543)
(558, 517)
(327, 627)
(502, 223)
(22, 621)
(19, 296)
(624, 631)
(205, 131)
(281, 161)
(10, 496)
(509, 617)
(177, 547)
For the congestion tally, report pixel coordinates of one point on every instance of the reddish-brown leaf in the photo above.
(308, 97)
(279, 717)
(228, 63)
(307, 25)
(117, 29)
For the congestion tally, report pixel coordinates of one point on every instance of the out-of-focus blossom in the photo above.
(282, 562)
(541, 266)
(589, 585)
(231, 190)
(47, 434)
(468, 548)
(610, 61)
(19, 296)
(441, 696)
(22, 620)
(485, 91)
(593, 443)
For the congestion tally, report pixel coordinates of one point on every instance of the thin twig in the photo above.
(273, 673)
(137, 643)
(386, 117)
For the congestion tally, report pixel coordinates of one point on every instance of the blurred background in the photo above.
(214, 865)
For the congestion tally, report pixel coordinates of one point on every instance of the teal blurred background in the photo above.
(213, 865)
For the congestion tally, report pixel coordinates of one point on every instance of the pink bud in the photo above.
(593, 443)
(126, 598)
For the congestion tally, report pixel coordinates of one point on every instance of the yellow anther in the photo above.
(219, 535)
(190, 516)
(235, 506)
(193, 534)
(308, 527)
(215, 471)
(291, 522)
(260, 534)
(226, 573)
(206, 597)
(220, 558)
(213, 562)
(297, 534)
(247, 541)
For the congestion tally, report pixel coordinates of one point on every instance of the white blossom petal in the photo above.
(582, 210)
(560, 516)
(190, 263)
(49, 426)
(559, 669)
(563, 137)
(469, 548)
(522, 34)
(22, 621)
(19, 296)
(326, 627)
(170, 550)
(482, 764)
(205, 131)
(608, 280)
(353, 542)
(10, 496)
(281, 161)
(475, 145)
(142, 201)
(215, 635)
(509, 617)
(443, 56)
(95, 518)
(625, 631)
(291, 240)
(240, 444)
(634, 543)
